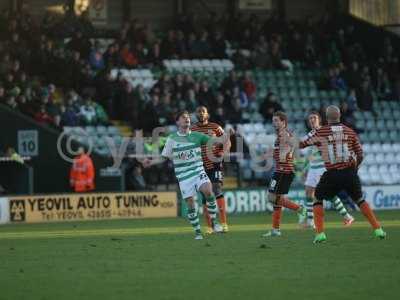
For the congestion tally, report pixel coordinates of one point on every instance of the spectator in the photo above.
(188, 82)
(82, 173)
(166, 110)
(127, 106)
(353, 77)
(80, 44)
(25, 106)
(205, 95)
(101, 115)
(179, 85)
(261, 55)
(235, 113)
(11, 103)
(13, 155)
(219, 101)
(229, 83)
(5, 64)
(51, 108)
(164, 84)
(335, 80)
(352, 100)
(96, 59)
(151, 114)
(365, 97)
(2, 94)
(43, 117)
(334, 56)
(107, 88)
(110, 57)
(382, 84)
(311, 57)
(192, 46)
(276, 51)
(9, 82)
(22, 81)
(135, 180)
(87, 113)
(191, 102)
(269, 107)
(249, 86)
(128, 57)
(347, 117)
(141, 54)
(68, 116)
(168, 46)
(201, 48)
(220, 116)
(218, 46)
(181, 49)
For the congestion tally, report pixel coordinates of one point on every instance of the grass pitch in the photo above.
(158, 259)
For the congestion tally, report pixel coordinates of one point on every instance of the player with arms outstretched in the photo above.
(184, 149)
(315, 170)
(283, 174)
(342, 155)
(212, 159)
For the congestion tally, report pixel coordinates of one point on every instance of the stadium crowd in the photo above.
(69, 84)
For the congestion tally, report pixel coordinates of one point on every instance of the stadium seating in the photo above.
(135, 77)
(198, 65)
(299, 94)
(101, 139)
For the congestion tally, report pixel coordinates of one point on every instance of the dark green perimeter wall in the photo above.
(51, 172)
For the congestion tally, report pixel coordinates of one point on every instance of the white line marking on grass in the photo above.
(164, 230)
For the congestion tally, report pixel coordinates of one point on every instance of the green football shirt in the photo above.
(185, 152)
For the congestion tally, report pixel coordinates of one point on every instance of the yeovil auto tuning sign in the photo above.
(96, 206)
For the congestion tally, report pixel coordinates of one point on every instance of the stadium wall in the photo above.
(131, 205)
(300, 9)
(158, 13)
(87, 207)
(251, 200)
(50, 169)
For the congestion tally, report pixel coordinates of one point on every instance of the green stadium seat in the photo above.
(367, 115)
(342, 94)
(364, 137)
(396, 114)
(384, 136)
(323, 94)
(370, 124)
(90, 130)
(332, 94)
(390, 124)
(380, 124)
(394, 136)
(373, 137)
(293, 93)
(301, 83)
(360, 123)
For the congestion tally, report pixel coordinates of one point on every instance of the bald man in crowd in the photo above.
(342, 154)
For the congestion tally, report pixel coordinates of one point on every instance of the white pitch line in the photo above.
(162, 230)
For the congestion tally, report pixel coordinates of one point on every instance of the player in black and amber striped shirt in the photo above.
(212, 160)
(283, 174)
(342, 155)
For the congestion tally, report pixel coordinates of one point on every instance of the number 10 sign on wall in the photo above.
(28, 142)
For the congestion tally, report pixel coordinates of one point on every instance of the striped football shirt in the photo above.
(185, 152)
(338, 144)
(283, 153)
(214, 130)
